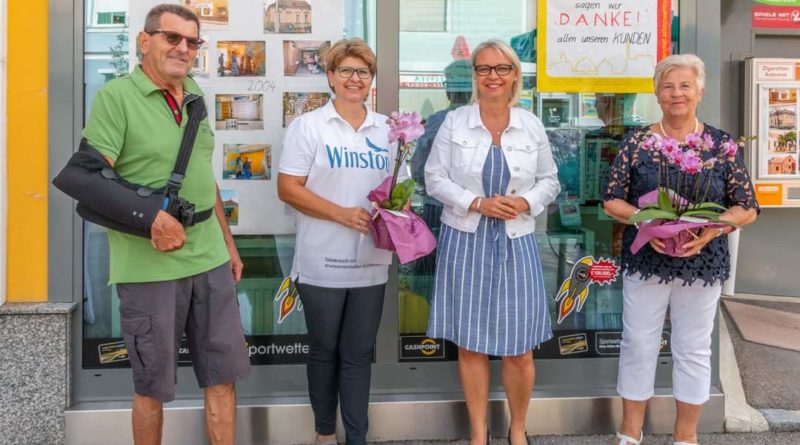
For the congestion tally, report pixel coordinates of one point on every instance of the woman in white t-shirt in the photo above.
(332, 157)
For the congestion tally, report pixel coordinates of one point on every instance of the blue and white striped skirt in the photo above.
(489, 295)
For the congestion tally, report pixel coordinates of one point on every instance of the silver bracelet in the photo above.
(636, 224)
(478, 205)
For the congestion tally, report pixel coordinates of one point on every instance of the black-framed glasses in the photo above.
(346, 72)
(175, 39)
(501, 70)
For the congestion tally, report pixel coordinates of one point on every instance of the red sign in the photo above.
(603, 271)
(776, 17)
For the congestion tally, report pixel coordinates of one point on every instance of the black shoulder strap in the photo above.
(197, 112)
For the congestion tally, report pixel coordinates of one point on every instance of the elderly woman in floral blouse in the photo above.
(689, 284)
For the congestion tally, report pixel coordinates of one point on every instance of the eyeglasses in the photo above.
(346, 72)
(175, 39)
(501, 70)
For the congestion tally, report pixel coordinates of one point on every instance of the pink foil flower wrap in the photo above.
(402, 232)
(674, 234)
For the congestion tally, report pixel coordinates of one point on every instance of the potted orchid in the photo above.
(394, 226)
(677, 210)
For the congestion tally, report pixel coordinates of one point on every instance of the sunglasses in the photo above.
(501, 70)
(175, 39)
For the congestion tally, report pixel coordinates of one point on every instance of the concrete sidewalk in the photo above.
(744, 424)
(769, 438)
(771, 376)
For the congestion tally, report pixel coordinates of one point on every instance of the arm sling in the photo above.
(106, 199)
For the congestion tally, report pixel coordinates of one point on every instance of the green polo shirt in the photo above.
(131, 123)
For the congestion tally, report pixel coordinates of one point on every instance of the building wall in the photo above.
(2, 152)
(767, 257)
(26, 151)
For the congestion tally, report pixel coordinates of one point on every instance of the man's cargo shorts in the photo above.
(154, 317)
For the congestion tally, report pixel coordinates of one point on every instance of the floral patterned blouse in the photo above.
(635, 172)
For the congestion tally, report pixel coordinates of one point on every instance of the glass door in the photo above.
(584, 130)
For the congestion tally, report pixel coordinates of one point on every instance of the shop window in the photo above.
(271, 313)
(423, 15)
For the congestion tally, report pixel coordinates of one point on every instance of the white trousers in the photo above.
(692, 311)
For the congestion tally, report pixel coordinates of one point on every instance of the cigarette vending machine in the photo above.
(771, 109)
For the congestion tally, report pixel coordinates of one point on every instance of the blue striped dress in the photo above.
(489, 294)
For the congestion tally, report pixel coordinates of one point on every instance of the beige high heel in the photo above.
(327, 441)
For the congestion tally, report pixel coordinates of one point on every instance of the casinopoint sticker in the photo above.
(575, 290)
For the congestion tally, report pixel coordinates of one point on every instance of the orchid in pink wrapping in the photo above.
(679, 204)
(394, 226)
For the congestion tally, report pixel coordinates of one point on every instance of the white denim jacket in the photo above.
(454, 171)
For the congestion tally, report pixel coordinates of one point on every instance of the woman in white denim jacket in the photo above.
(491, 167)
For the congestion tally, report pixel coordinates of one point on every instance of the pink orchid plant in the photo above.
(684, 196)
(677, 210)
(393, 226)
(405, 129)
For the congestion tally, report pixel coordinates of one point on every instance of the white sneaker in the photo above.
(627, 440)
(683, 443)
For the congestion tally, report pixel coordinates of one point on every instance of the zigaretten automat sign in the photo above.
(776, 14)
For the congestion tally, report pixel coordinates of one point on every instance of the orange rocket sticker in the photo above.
(575, 290)
(289, 301)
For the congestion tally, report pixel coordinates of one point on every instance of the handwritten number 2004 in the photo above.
(261, 86)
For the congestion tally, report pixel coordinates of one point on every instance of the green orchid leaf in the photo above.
(664, 203)
(400, 195)
(403, 190)
(648, 214)
(706, 214)
(707, 206)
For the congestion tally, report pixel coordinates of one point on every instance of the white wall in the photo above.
(2, 151)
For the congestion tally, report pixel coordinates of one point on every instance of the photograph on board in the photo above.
(295, 104)
(239, 111)
(240, 58)
(304, 57)
(210, 12)
(287, 16)
(247, 161)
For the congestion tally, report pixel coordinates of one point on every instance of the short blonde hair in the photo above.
(674, 61)
(511, 55)
(345, 48)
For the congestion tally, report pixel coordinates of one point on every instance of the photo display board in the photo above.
(260, 67)
(772, 87)
(778, 130)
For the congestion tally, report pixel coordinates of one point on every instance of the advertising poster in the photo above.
(781, 14)
(610, 46)
(778, 132)
(261, 67)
